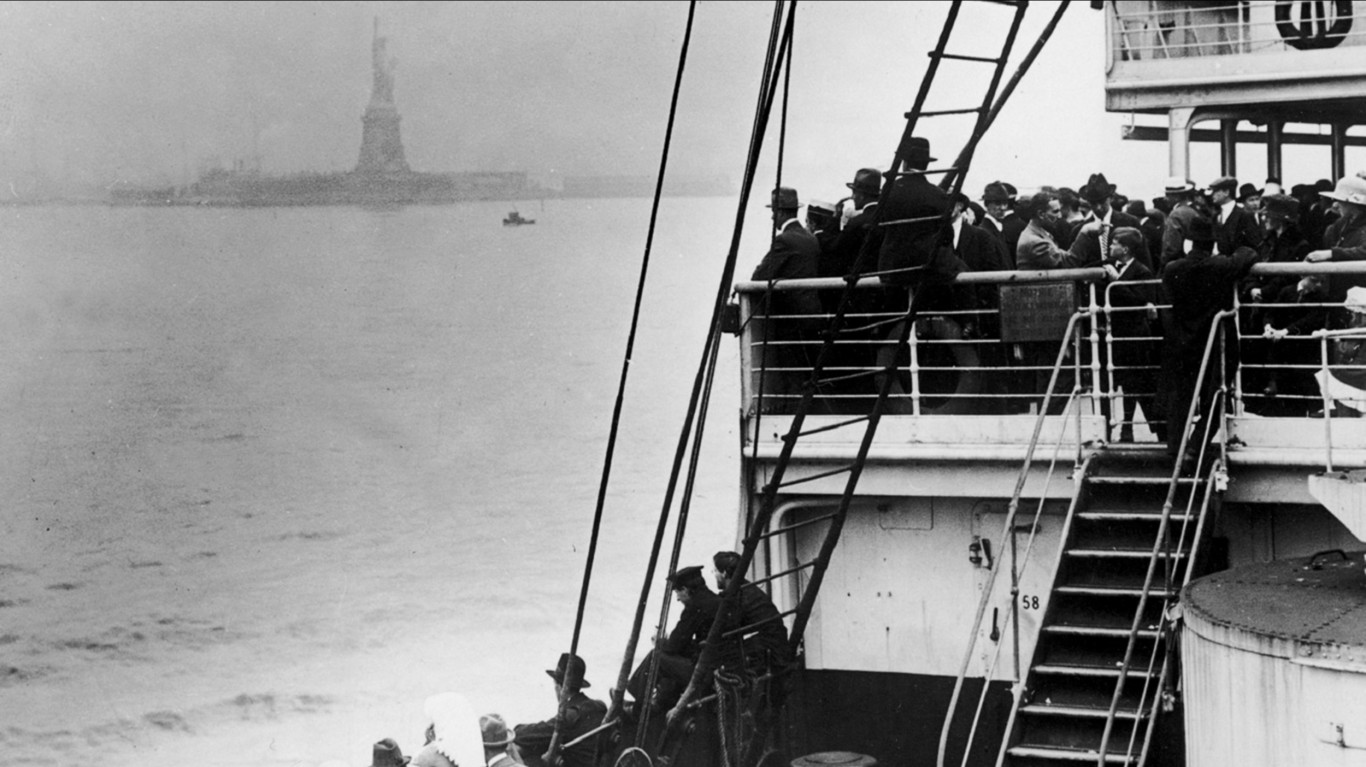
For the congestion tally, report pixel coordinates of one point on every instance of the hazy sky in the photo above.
(145, 91)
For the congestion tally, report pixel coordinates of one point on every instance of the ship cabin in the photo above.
(985, 550)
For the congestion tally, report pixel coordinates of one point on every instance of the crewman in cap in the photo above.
(1180, 194)
(1199, 285)
(1234, 226)
(497, 740)
(579, 715)
(789, 315)
(677, 653)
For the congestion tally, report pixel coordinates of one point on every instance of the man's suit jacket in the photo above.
(1086, 245)
(915, 244)
(1038, 250)
(794, 255)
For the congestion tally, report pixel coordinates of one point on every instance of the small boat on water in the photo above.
(515, 219)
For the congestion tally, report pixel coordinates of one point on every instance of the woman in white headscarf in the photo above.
(453, 735)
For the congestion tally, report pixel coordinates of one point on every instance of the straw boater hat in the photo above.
(1178, 185)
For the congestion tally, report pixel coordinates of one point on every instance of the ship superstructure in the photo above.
(974, 569)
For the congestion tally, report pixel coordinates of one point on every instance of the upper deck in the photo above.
(974, 382)
(1276, 58)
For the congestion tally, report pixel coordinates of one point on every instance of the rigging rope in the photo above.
(625, 369)
(703, 378)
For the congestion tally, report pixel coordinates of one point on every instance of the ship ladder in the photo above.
(727, 629)
(1104, 665)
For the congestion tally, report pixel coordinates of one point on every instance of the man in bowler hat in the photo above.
(796, 314)
(578, 716)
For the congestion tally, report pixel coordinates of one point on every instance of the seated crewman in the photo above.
(679, 651)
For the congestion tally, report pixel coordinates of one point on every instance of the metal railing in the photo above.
(1147, 30)
(962, 361)
(1019, 563)
(1351, 357)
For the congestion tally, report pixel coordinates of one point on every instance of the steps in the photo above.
(1090, 627)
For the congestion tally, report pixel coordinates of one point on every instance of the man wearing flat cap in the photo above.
(578, 716)
(677, 653)
(1234, 226)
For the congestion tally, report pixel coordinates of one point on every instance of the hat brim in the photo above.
(559, 679)
(500, 743)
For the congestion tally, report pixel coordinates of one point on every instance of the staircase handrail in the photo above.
(1009, 525)
(1215, 332)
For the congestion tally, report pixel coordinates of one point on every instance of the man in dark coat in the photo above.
(1001, 220)
(1199, 285)
(1235, 227)
(1091, 236)
(852, 352)
(1181, 196)
(679, 651)
(1283, 244)
(580, 715)
(795, 314)
(839, 259)
(915, 255)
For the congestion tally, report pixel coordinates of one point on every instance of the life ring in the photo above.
(1295, 32)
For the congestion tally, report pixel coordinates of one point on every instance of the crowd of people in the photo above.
(1185, 253)
(754, 644)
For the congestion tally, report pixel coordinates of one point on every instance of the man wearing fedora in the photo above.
(1091, 237)
(497, 740)
(839, 259)
(1180, 194)
(578, 716)
(1235, 227)
(1250, 197)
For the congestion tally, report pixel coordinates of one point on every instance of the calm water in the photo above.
(272, 477)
